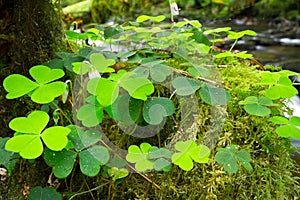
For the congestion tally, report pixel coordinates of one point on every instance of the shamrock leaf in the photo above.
(161, 157)
(81, 67)
(139, 157)
(257, 106)
(214, 96)
(229, 158)
(28, 146)
(100, 62)
(117, 173)
(289, 127)
(17, 85)
(199, 71)
(126, 54)
(28, 142)
(90, 114)
(160, 72)
(138, 88)
(55, 137)
(158, 69)
(189, 151)
(81, 138)
(283, 88)
(185, 86)
(44, 194)
(105, 90)
(61, 161)
(41, 91)
(155, 109)
(91, 159)
(125, 109)
(43, 74)
(141, 72)
(34, 123)
(47, 93)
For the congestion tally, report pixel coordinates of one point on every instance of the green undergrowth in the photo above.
(218, 141)
(273, 168)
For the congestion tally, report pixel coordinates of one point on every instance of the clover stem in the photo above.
(233, 45)
(84, 192)
(62, 112)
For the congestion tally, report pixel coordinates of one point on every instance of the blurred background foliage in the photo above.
(100, 11)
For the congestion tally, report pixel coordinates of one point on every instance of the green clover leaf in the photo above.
(229, 158)
(214, 96)
(61, 161)
(189, 151)
(107, 89)
(282, 89)
(143, 18)
(55, 137)
(44, 194)
(92, 159)
(43, 74)
(156, 109)
(34, 123)
(28, 144)
(17, 85)
(257, 105)
(161, 157)
(138, 88)
(139, 157)
(104, 89)
(117, 173)
(42, 91)
(81, 67)
(125, 109)
(157, 69)
(289, 127)
(100, 63)
(185, 86)
(81, 138)
(90, 114)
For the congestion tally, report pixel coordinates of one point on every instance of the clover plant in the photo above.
(46, 193)
(257, 105)
(42, 91)
(230, 158)
(30, 132)
(124, 86)
(289, 127)
(280, 85)
(189, 151)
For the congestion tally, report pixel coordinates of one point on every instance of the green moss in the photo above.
(273, 168)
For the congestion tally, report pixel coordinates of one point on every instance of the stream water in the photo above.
(276, 44)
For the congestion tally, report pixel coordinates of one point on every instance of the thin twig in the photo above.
(84, 192)
(145, 177)
(198, 78)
